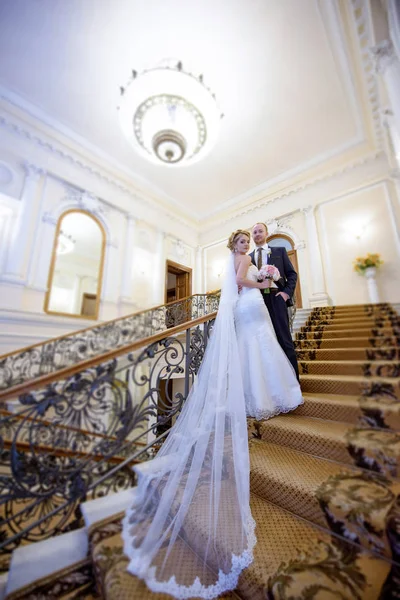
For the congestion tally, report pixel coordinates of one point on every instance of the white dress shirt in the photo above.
(264, 254)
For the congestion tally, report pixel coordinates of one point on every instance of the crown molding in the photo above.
(351, 23)
(32, 133)
(360, 22)
(294, 189)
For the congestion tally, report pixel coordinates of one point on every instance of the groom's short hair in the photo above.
(263, 224)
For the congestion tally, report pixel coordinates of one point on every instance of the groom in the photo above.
(279, 298)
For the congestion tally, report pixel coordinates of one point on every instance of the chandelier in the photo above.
(65, 243)
(169, 115)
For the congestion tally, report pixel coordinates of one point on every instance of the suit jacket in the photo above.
(280, 260)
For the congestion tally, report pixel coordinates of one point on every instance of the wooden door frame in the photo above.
(171, 265)
(293, 251)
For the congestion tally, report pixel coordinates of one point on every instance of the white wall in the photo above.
(364, 192)
(141, 233)
(64, 176)
(368, 213)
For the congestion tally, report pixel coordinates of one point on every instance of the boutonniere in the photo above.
(269, 251)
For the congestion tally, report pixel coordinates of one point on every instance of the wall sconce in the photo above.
(218, 268)
(355, 229)
(358, 231)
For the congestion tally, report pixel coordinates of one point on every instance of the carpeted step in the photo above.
(351, 320)
(379, 411)
(350, 384)
(345, 333)
(380, 306)
(356, 504)
(366, 354)
(291, 557)
(114, 582)
(344, 326)
(372, 449)
(73, 582)
(378, 368)
(354, 342)
(352, 317)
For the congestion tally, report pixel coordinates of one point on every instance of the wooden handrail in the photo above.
(43, 380)
(25, 447)
(101, 324)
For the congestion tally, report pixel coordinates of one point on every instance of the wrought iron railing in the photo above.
(48, 357)
(76, 437)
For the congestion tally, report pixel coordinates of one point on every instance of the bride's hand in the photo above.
(265, 284)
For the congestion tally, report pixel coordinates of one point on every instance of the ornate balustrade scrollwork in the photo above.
(19, 367)
(78, 437)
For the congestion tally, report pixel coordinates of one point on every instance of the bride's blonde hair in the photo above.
(233, 238)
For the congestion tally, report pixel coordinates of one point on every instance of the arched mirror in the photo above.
(76, 269)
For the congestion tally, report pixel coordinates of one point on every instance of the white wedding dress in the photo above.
(269, 381)
(189, 532)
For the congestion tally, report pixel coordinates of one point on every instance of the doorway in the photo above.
(178, 282)
(280, 239)
(178, 285)
(88, 308)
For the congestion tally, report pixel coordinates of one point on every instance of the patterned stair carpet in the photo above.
(325, 479)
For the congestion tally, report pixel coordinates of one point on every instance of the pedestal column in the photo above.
(370, 275)
(199, 271)
(318, 297)
(387, 65)
(47, 240)
(126, 280)
(20, 243)
(159, 269)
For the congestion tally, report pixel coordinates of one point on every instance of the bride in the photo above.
(269, 381)
(189, 532)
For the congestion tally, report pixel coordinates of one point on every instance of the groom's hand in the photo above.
(284, 295)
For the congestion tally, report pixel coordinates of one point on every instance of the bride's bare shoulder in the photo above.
(242, 259)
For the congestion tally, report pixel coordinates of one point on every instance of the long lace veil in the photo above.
(190, 532)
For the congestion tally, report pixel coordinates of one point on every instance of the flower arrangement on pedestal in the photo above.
(370, 261)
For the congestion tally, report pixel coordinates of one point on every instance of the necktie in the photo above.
(259, 258)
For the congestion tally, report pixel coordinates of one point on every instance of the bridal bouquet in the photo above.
(269, 272)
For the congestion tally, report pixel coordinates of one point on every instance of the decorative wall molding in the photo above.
(383, 56)
(86, 201)
(49, 218)
(299, 187)
(32, 171)
(6, 174)
(301, 245)
(280, 225)
(361, 21)
(359, 15)
(68, 156)
(80, 199)
(112, 244)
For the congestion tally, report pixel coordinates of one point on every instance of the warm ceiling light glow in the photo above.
(169, 115)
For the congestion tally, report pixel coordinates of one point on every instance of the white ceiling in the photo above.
(269, 62)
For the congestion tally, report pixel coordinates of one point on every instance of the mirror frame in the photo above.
(53, 261)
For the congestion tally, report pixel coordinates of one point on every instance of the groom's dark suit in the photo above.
(277, 307)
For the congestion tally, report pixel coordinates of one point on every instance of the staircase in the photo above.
(325, 486)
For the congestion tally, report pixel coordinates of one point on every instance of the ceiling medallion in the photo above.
(169, 115)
